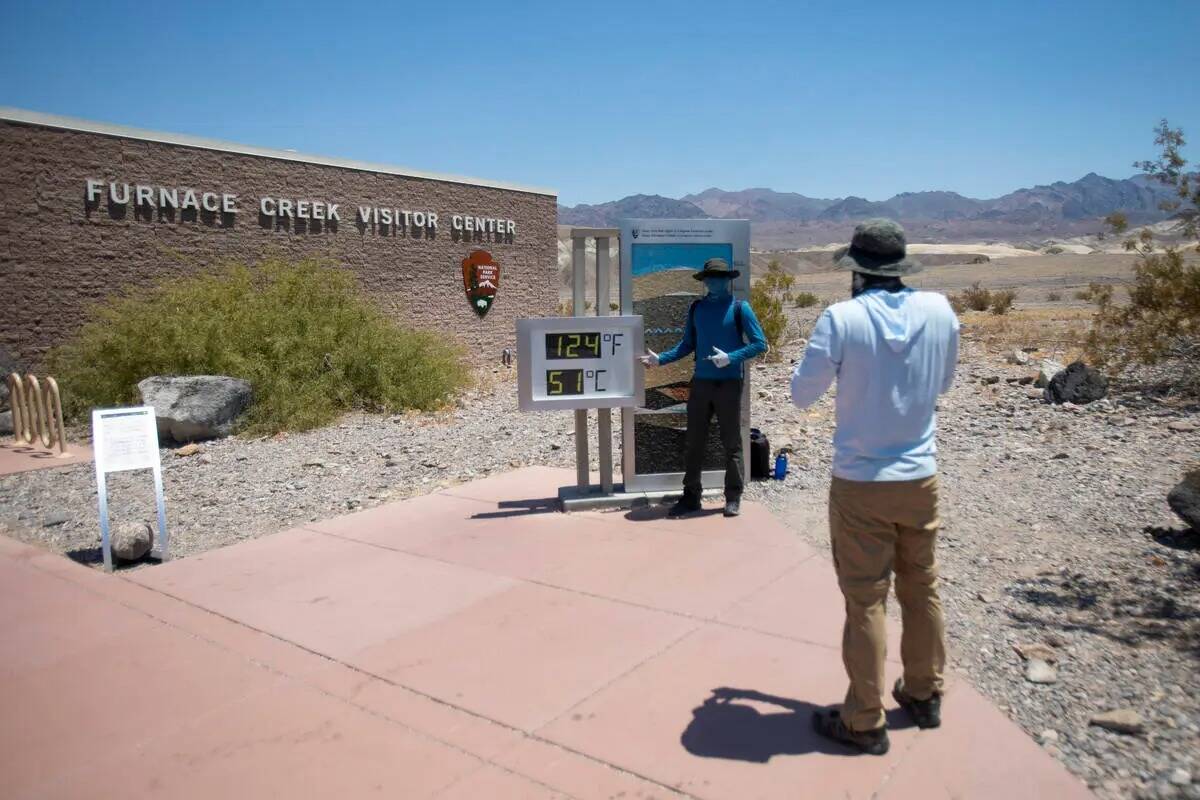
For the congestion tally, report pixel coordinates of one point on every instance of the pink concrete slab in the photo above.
(23, 458)
(530, 483)
(495, 783)
(978, 753)
(804, 604)
(291, 742)
(437, 720)
(327, 594)
(755, 525)
(577, 775)
(524, 656)
(665, 722)
(42, 624)
(82, 706)
(409, 523)
(657, 567)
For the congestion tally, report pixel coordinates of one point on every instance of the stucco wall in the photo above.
(59, 253)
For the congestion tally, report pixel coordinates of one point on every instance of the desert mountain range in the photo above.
(788, 219)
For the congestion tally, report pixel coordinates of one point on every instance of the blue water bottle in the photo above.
(781, 466)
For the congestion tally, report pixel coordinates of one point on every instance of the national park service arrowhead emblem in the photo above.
(481, 280)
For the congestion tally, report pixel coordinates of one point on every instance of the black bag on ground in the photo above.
(760, 455)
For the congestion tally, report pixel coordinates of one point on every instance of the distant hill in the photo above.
(645, 206)
(788, 219)
(760, 205)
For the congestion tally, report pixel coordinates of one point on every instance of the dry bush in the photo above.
(1060, 331)
(976, 298)
(1053, 297)
(805, 300)
(1084, 294)
(1001, 301)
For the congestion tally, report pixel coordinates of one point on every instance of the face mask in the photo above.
(718, 287)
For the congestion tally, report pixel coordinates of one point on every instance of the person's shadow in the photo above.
(724, 728)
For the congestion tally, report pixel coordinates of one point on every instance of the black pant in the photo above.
(725, 398)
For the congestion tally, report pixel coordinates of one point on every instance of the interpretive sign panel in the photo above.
(579, 362)
(658, 260)
(126, 439)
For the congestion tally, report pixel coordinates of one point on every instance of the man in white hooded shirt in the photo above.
(893, 351)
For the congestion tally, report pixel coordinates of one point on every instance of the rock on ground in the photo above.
(1184, 499)
(190, 407)
(1078, 384)
(131, 540)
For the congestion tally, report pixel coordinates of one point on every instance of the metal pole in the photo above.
(603, 415)
(578, 305)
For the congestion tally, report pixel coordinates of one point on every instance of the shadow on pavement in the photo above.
(649, 513)
(521, 508)
(724, 728)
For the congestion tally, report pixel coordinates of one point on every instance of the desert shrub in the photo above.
(975, 297)
(1083, 294)
(768, 307)
(1053, 297)
(805, 300)
(304, 336)
(1053, 250)
(614, 306)
(957, 303)
(1161, 321)
(1002, 301)
(767, 297)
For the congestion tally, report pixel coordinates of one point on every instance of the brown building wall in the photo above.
(59, 253)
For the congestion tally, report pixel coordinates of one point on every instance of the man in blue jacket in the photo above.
(893, 351)
(714, 332)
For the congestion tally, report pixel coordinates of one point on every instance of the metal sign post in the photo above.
(124, 439)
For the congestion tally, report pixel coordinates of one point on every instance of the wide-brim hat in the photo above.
(878, 247)
(716, 268)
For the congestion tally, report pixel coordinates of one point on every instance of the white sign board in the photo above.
(125, 439)
(579, 362)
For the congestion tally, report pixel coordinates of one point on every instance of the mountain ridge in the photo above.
(1060, 208)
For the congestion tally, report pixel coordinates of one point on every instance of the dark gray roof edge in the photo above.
(21, 116)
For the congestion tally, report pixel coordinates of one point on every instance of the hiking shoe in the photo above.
(829, 723)
(733, 508)
(685, 505)
(926, 713)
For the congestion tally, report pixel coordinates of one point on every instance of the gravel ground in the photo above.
(1056, 532)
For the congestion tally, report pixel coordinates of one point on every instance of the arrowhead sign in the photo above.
(481, 280)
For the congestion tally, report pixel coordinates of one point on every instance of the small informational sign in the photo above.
(126, 439)
(579, 362)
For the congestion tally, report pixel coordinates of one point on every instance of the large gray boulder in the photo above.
(1184, 499)
(6, 423)
(191, 407)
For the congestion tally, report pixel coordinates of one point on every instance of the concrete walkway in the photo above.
(467, 644)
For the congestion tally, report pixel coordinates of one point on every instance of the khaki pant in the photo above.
(878, 528)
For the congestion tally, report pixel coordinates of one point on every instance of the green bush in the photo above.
(805, 300)
(1001, 302)
(304, 336)
(768, 308)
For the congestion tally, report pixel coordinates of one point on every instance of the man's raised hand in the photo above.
(650, 359)
(719, 357)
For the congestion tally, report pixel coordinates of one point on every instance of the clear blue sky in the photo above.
(604, 100)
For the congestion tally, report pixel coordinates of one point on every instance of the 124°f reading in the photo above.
(583, 344)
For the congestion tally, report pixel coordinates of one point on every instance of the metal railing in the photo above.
(37, 411)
